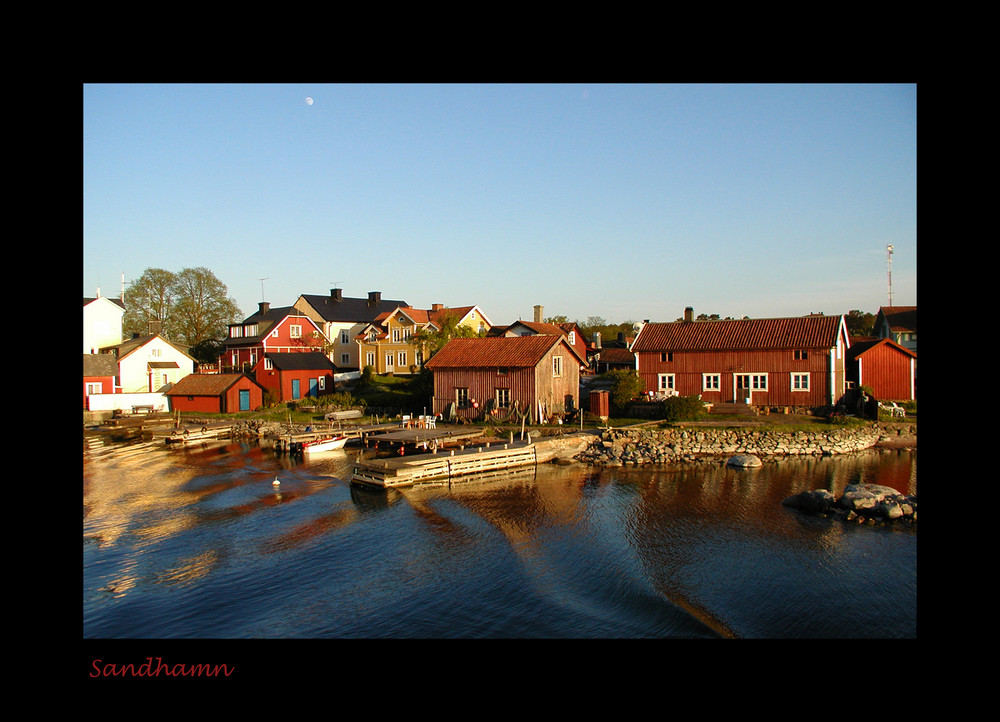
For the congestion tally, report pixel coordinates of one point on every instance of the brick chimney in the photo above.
(263, 307)
(437, 306)
(374, 298)
(688, 314)
(337, 294)
(538, 313)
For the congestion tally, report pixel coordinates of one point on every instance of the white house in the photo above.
(150, 364)
(102, 323)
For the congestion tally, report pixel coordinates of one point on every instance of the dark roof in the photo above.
(205, 384)
(100, 364)
(117, 301)
(901, 319)
(265, 319)
(740, 334)
(863, 345)
(304, 361)
(495, 351)
(352, 310)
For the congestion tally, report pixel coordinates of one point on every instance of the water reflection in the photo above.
(561, 551)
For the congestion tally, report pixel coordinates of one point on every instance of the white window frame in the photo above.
(345, 337)
(462, 397)
(294, 330)
(800, 381)
(345, 358)
(711, 382)
(401, 359)
(557, 368)
(503, 398)
(666, 382)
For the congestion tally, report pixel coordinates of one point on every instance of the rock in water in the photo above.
(744, 460)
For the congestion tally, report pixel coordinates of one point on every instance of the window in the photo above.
(388, 361)
(295, 331)
(503, 398)
(502, 371)
(557, 365)
(462, 398)
(401, 359)
(800, 354)
(250, 330)
(235, 332)
(156, 352)
(665, 382)
(345, 337)
(322, 383)
(666, 356)
(800, 382)
(395, 335)
(94, 388)
(345, 358)
(268, 365)
(572, 338)
(755, 382)
(370, 359)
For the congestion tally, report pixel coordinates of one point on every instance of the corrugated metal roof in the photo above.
(741, 334)
(491, 351)
(352, 310)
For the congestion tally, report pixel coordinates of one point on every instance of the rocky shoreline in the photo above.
(690, 444)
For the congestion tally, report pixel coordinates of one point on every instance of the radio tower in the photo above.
(888, 253)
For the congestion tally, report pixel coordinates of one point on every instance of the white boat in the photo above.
(337, 442)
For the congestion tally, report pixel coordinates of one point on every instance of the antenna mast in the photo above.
(888, 252)
(262, 288)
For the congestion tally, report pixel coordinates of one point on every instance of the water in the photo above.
(198, 544)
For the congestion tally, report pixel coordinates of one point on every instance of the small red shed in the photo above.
(216, 393)
(99, 374)
(290, 376)
(885, 367)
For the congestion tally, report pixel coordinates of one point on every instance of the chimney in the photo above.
(337, 294)
(374, 298)
(688, 314)
(153, 327)
(597, 339)
(263, 307)
(538, 313)
(437, 306)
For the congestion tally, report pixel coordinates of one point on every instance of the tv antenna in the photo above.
(262, 287)
(888, 254)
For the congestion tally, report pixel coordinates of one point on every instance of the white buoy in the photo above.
(275, 482)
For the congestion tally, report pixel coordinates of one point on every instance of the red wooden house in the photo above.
(99, 374)
(763, 362)
(290, 376)
(281, 330)
(539, 374)
(885, 367)
(216, 393)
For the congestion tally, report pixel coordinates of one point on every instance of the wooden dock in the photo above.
(448, 464)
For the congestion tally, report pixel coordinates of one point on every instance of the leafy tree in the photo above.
(625, 386)
(859, 323)
(432, 341)
(192, 306)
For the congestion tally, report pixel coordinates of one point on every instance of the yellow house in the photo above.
(386, 343)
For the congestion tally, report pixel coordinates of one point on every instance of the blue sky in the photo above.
(625, 201)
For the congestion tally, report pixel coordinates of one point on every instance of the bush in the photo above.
(682, 408)
(625, 386)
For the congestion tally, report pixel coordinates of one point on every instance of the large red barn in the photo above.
(290, 376)
(797, 362)
(537, 374)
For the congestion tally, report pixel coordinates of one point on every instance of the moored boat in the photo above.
(329, 444)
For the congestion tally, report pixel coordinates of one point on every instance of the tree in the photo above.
(431, 341)
(192, 306)
(859, 323)
(625, 386)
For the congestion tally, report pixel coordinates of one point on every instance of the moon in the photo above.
(309, 101)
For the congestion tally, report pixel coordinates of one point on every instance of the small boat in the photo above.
(336, 442)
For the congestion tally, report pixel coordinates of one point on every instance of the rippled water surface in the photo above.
(199, 543)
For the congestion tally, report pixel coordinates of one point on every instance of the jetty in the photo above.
(378, 434)
(444, 464)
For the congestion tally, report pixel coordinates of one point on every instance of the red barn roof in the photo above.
(495, 351)
(741, 334)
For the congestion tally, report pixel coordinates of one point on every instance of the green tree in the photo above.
(430, 341)
(625, 386)
(859, 323)
(191, 307)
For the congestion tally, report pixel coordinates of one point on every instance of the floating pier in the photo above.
(448, 464)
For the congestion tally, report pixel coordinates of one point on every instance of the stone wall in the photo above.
(614, 447)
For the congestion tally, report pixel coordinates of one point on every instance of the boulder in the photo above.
(744, 460)
(817, 501)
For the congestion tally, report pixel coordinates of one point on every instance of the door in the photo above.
(295, 389)
(314, 387)
(244, 399)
